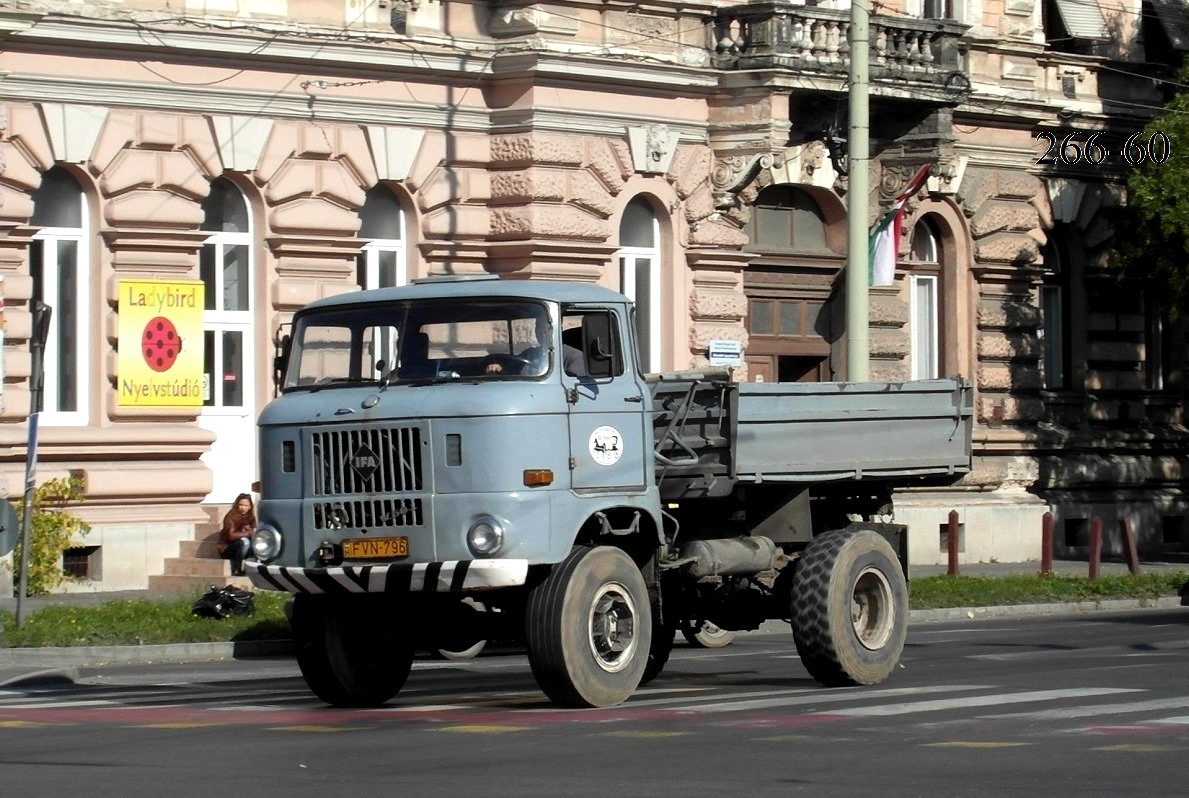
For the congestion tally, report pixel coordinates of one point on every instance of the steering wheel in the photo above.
(509, 364)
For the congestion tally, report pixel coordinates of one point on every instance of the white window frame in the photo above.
(923, 326)
(371, 252)
(54, 370)
(630, 259)
(219, 321)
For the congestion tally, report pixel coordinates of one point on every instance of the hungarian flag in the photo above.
(884, 244)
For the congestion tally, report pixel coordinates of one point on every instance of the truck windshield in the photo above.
(403, 342)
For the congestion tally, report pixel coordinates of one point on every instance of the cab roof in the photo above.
(484, 286)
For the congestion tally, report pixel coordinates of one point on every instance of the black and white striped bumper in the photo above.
(454, 576)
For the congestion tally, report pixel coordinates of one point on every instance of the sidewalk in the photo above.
(44, 665)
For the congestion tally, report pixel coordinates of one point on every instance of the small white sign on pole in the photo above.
(725, 353)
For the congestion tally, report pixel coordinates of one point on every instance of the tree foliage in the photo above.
(1152, 237)
(52, 530)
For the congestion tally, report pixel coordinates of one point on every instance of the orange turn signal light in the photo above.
(534, 477)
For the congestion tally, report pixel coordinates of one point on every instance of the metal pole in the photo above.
(858, 334)
(1095, 547)
(951, 544)
(41, 326)
(1046, 544)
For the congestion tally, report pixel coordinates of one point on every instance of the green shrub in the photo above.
(52, 531)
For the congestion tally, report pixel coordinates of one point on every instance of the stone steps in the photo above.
(198, 565)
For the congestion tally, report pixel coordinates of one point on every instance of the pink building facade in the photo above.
(685, 154)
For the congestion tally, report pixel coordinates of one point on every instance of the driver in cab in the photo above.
(536, 357)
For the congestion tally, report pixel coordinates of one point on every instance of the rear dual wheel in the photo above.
(849, 608)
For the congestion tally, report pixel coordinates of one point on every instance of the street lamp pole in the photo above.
(858, 158)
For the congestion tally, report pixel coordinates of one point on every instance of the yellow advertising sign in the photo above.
(160, 358)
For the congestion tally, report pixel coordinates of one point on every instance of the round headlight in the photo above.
(266, 543)
(485, 537)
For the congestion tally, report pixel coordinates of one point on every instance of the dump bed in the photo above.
(711, 434)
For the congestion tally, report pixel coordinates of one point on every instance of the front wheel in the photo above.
(347, 656)
(849, 608)
(589, 628)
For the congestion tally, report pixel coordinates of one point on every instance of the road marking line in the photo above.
(1067, 713)
(194, 725)
(974, 701)
(644, 735)
(26, 724)
(483, 729)
(312, 728)
(825, 695)
(1181, 721)
(974, 744)
(1142, 748)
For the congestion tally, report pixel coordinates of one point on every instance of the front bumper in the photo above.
(454, 576)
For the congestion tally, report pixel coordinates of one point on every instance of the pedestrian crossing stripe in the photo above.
(645, 735)
(484, 729)
(1138, 748)
(974, 744)
(313, 728)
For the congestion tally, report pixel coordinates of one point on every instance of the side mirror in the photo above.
(280, 363)
(599, 345)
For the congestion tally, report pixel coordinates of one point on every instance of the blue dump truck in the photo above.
(464, 459)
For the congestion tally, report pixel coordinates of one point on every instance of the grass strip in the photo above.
(157, 621)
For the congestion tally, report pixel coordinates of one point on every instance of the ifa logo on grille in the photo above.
(365, 462)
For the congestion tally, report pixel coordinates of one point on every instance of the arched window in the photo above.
(925, 291)
(785, 219)
(226, 266)
(58, 262)
(381, 261)
(640, 276)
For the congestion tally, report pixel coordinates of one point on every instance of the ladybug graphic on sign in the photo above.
(160, 344)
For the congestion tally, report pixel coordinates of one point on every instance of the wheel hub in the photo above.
(612, 628)
(872, 609)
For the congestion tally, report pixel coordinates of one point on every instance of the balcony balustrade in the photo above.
(810, 39)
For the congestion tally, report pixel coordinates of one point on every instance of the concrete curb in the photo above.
(41, 664)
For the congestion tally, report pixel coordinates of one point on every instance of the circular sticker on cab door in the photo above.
(606, 445)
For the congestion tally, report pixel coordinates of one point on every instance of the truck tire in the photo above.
(589, 628)
(347, 657)
(849, 608)
(703, 634)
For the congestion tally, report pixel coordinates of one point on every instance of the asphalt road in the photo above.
(1086, 704)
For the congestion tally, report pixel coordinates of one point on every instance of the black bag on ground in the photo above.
(223, 602)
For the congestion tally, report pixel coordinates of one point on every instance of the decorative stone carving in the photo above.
(652, 148)
(395, 149)
(733, 173)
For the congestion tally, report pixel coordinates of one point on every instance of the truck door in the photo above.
(610, 436)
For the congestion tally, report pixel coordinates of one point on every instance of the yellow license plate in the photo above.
(375, 548)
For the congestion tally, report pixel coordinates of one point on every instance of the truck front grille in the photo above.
(368, 514)
(360, 473)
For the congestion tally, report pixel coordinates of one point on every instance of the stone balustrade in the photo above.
(812, 39)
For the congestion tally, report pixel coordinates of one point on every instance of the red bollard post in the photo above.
(1129, 545)
(1046, 544)
(952, 543)
(1095, 546)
